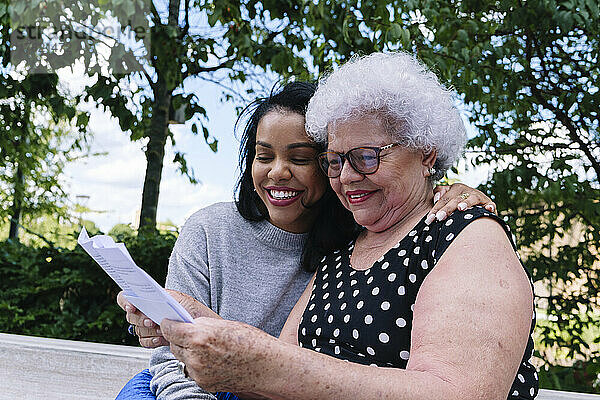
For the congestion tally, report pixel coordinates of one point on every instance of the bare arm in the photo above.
(469, 333)
(289, 332)
(473, 313)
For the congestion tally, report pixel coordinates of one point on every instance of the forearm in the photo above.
(295, 373)
(232, 356)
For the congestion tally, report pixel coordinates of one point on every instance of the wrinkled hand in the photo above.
(148, 332)
(221, 355)
(448, 199)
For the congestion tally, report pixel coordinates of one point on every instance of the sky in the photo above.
(114, 181)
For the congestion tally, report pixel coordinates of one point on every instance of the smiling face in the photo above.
(285, 172)
(398, 189)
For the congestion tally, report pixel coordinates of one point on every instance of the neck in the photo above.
(401, 227)
(404, 217)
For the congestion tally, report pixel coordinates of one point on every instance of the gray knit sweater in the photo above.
(243, 270)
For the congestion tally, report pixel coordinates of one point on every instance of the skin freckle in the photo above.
(504, 284)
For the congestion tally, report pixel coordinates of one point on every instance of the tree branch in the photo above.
(174, 12)
(197, 69)
(561, 114)
(149, 79)
(227, 88)
(186, 26)
(154, 13)
(37, 234)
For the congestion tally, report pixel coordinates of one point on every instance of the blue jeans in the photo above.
(138, 388)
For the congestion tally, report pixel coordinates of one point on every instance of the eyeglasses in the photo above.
(364, 160)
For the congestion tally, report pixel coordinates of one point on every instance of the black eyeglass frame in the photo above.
(346, 156)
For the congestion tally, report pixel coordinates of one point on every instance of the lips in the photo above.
(359, 196)
(282, 196)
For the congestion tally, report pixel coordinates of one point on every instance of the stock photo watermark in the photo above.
(44, 39)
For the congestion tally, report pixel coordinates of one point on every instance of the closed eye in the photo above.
(263, 158)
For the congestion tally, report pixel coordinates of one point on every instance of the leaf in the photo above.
(406, 37)
(213, 145)
(129, 8)
(592, 5)
(83, 119)
(17, 8)
(395, 31)
(213, 17)
(345, 29)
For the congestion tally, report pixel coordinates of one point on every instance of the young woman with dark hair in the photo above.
(250, 261)
(333, 225)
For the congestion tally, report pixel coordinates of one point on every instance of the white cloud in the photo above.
(184, 200)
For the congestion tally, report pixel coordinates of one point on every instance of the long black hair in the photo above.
(334, 226)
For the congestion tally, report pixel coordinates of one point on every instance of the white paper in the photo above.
(138, 287)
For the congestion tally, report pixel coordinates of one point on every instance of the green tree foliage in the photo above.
(62, 293)
(40, 130)
(37, 125)
(189, 39)
(529, 74)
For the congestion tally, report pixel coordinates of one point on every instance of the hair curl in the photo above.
(415, 108)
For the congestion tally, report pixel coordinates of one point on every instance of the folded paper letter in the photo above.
(138, 287)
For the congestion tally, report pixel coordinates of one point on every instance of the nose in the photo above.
(349, 174)
(280, 171)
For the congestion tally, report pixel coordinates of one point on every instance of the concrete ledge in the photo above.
(556, 395)
(49, 369)
(42, 368)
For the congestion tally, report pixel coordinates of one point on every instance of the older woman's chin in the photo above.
(370, 221)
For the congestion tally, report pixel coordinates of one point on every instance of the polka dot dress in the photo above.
(366, 316)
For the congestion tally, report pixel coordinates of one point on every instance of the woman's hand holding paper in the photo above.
(148, 332)
(223, 355)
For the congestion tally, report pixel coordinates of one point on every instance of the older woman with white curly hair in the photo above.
(408, 310)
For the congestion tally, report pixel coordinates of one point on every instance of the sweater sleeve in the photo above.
(188, 273)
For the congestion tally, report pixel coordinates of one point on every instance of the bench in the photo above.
(41, 368)
(49, 369)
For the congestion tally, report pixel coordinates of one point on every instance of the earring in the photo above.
(431, 171)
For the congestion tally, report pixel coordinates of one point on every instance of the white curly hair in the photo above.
(415, 108)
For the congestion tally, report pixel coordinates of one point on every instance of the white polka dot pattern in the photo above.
(366, 316)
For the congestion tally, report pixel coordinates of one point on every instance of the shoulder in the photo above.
(458, 220)
(475, 219)
(207, 221)
(215, 215)
(482, 253)
(475, 250)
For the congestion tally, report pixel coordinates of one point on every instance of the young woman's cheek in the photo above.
(315, 182)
